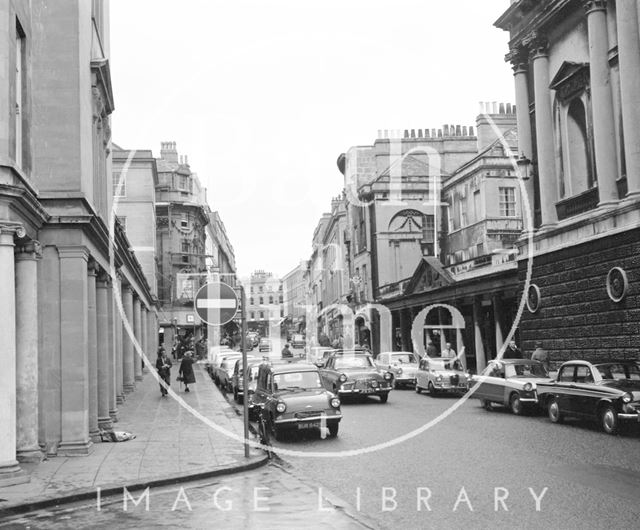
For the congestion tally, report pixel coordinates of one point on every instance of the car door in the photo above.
(421, 374)
(583, 398)
(564, 386)
(326, 374)
(382, 361)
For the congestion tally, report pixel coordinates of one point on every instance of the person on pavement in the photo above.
(512, 351)
(186, 371)
(540, 354)
(286, 352)
(163, 366)
(432, 351)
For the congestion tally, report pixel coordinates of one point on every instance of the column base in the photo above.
(30, 455)
(138, 377)
(608, 204)
(76, 448)
(128, 388)
(11, 474)
(114, 415)
(120, 398)
(94, 436)
(105, 424)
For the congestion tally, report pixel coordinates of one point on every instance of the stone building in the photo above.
(577, 72)
(265, 309)
(75, 302)
(182, 215)
(295, 298)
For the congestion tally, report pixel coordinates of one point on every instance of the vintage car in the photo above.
(403, 365)
(264, 345)
(237, 383)
(608, 392)
(297, 341)
(213, 358)
(318, 355)
(353, 372)
(224, 372)
(509, 382)
(441, 375)
(290, 397)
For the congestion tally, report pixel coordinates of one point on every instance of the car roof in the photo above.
(293, 367)
(396, 352)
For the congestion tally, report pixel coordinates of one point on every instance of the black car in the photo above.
(291, 397)
(608, 392)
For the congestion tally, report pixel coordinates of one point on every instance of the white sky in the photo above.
(263, 96)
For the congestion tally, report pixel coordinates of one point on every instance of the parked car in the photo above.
(510, 382)
(403, 365)
(607, 392)
(353, 372)
(318, 355)
(237, 382)
(264, 345)
(441, 375)
(291, 398)
(215, 367)
(226, 369)
(297, 341)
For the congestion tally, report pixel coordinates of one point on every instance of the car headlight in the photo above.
(399, 370)
(374, 384)
(627, 397)
(439, 378)
(387, 376)
(281, 407)
(528, 387)
(342, 378)
(335, 403)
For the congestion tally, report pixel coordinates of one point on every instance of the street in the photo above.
(585, 471)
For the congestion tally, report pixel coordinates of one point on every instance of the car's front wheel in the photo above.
(553, 409)
(609, 420)
(418, 389)
(516, 405)
(432, 389)
(333, 430)
(486, 404)
(384, 397)
(275, 432)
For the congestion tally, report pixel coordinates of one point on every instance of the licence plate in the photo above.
(368, 391)
(308, 425)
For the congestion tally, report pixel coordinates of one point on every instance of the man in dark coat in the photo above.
(186, 371)
(512, 351)
(163, 366)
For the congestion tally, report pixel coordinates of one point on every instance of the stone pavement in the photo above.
(170, 445)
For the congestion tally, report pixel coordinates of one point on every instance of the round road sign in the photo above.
(216, 303)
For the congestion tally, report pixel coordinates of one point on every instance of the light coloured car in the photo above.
(403, 365)
(441, 375)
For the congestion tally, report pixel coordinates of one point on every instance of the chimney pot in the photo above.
(502, 111)
(419, 133)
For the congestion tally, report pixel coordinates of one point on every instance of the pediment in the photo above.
(570, 79)
(428, 276)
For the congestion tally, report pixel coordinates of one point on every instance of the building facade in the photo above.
(265, 304)
(294, 299)
(182, 216)
(75, 299)
(577, 71)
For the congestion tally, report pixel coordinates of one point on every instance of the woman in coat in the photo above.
(186, 371)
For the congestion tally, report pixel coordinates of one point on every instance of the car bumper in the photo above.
(405, 380)
(629, 416)
(449, 388)
(313, 422)
(363, 391)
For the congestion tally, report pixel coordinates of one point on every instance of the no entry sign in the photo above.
(216, 303)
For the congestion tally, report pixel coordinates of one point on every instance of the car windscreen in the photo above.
(619, 371)
(525, 370)
(296, 380)
(353, 361)
(403, 358)
(445, 365)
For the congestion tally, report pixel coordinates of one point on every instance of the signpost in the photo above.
(216, 304)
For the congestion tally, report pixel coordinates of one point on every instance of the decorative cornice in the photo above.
(74, 251)
(518, 57)
(537, 44)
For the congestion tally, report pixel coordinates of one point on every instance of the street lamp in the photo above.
(524, 167)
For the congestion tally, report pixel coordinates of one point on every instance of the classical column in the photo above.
(117, 303)
(497, 317)
(94, 430)
(152, 332)
(127, 344)
(547, 179)
(137, 331)
(10, 472)
(604, 132)
(111, 335)
(74, 362)
(481, 360)
(520, 63)
(629, 61)
(144, 342)
(26, 277)
(102, 308)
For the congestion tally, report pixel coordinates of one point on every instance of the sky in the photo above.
(263, 96)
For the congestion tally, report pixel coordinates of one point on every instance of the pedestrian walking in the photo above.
(512, 351)
(540, 354)
(186, 371)
(163, 366)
